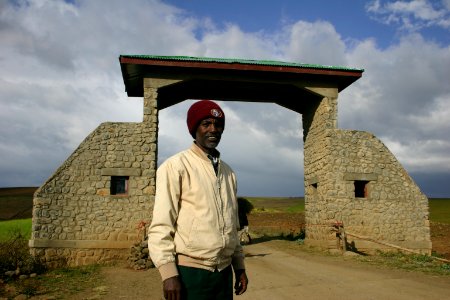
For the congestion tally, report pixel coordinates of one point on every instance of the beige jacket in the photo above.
(195, 220)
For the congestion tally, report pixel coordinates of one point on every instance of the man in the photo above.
(193, 238)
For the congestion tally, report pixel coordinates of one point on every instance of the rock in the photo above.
(139, 258)
(10, 273)
(350, 253)
(22, 277)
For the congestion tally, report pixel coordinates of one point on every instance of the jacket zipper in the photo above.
(221, 200)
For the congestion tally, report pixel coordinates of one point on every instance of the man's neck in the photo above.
(209, 151)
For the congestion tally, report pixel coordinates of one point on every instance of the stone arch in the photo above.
(350, 176)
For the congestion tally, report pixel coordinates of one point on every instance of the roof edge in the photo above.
(272, 63)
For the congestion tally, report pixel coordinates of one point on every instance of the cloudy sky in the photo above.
(60, 78)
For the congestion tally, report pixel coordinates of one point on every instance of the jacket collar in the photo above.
(198, 151)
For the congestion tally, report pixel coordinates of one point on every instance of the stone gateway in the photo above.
(98, 202)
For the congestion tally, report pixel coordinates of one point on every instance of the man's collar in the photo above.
(215, 153)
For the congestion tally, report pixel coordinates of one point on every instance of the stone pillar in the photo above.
(151, 87)
(150, 106)
(151, 121)
(319, 120)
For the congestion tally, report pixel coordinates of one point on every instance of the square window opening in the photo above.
(119, 185)
(361, 189)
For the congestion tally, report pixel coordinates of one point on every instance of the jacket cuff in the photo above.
(168, 270)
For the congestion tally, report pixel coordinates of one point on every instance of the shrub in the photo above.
(15, 255)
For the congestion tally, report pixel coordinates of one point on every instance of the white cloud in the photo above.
(422, 155)
(317, 43)
(403, 98)
(411, 15)
(432, 122)
(60, 70)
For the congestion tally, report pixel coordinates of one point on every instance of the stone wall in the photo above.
(351, 177)
(76, 220)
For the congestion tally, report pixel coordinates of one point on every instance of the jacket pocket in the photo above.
(205, 240)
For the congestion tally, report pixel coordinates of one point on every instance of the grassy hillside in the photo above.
(16, 203)
(278, 204)
(440, 210)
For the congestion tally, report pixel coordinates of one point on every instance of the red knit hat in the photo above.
(201, 110)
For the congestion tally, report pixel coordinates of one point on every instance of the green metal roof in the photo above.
(241, 61)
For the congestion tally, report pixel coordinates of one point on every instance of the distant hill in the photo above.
(16, 203)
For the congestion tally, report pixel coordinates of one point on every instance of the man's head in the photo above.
(206, 122)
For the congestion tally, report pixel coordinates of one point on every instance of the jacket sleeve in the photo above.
(238, 258)
(165, 212)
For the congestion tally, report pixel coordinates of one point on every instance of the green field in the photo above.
(278, 204)
(8, 228)
(15, 211)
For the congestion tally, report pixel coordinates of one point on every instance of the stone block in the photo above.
(103, 192)
(122, 237)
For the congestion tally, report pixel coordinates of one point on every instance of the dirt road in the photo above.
(279, 271)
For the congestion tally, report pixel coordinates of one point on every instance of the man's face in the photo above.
(208, 134)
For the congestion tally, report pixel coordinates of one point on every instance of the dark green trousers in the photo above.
(199, 284)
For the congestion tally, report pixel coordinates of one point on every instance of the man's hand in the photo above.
(172, 288)
(241, 282)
